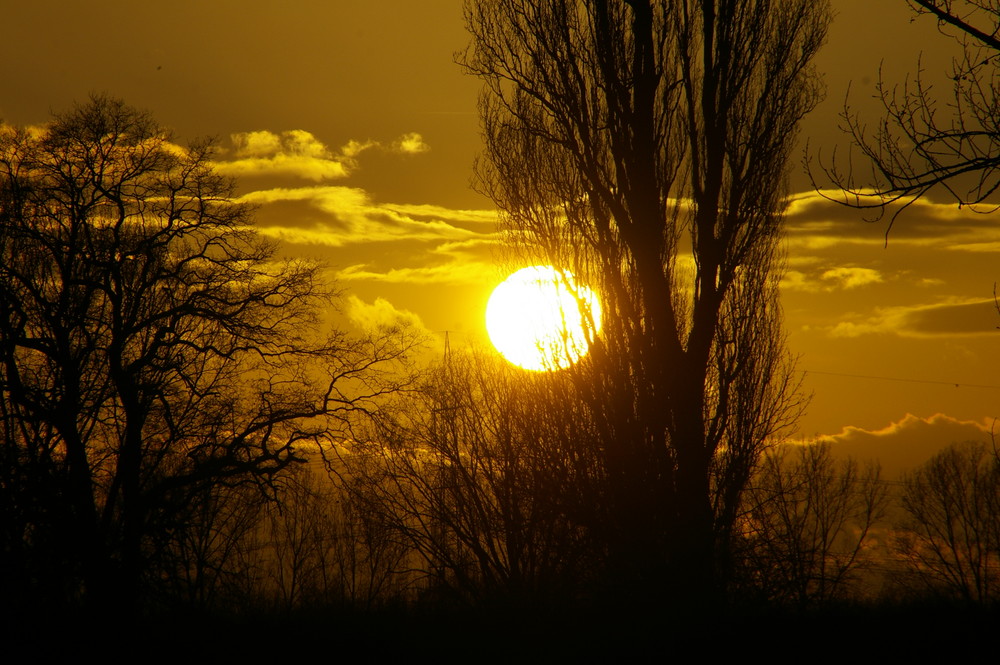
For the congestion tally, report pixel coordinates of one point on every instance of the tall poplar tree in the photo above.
(643, 146)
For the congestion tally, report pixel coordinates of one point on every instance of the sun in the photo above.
(541, 319)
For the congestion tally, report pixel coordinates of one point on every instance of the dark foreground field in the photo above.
(612, 635)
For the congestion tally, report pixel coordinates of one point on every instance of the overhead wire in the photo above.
(956, 384)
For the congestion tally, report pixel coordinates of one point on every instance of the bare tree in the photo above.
(482, 478)
(924, 142)
(317, 546)
(643, 147)
(806, 525)
(370, 562)
(151, 345)
(951, 534)
(210, 563)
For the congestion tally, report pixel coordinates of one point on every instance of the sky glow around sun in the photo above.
(541, 320)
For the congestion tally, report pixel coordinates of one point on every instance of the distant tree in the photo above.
(211, 563)
(925, 142)
(806, 525)
(643, 147)
(483, 477)
(950, 537)
(371, 564)
(152, 348)
(316, 545)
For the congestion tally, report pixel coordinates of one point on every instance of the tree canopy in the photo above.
(152, 347)
(925, 141)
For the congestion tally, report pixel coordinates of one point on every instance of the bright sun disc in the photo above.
(539, 319)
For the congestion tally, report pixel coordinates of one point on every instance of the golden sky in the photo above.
(348, 122)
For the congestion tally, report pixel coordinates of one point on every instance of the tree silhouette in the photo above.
(924, 142)
(643, 147)
(951, 532)
(806, 524)
(481, 475)
(151, 347)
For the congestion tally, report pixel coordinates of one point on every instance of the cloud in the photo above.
(455, 272)
(813, 221)
(464, 262)
(352, 217)
(298, 153)
(796, 280)
(959, 317)
(904, 445)
(381, 315)
(439, 212)
(410, 144)
(318, 235)
(291, 153)
(833, 279)
(467, 248)
(33, 132)
(433, 244)
(851, 278)
(353, 148)
(266, 144)
(992, 246)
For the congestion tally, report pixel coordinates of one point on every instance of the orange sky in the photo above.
(349, 124)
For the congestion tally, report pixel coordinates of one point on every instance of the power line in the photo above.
(956, 384)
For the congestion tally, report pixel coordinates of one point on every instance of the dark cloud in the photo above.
(938, 320)
(814, 215)
(965, 318)
(904, 445)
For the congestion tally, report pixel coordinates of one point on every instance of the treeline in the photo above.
(481, 491)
